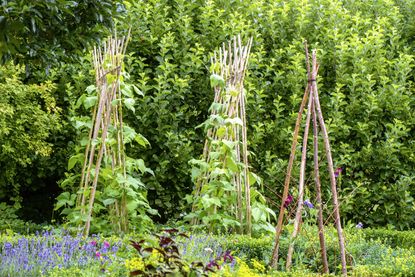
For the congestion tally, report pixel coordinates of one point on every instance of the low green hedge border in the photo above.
(393, 238)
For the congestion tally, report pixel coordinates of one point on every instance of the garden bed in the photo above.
(370, 252)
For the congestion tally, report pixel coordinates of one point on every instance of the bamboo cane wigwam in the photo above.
(314, 113)
(108, 71)
(229, 64)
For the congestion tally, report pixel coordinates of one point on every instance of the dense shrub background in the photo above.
(30, 121)
(365, 50)
(366, 85)
(50, 32)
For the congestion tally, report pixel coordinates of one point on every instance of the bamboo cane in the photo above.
(245, 160)
(98, 165)
(103, 116)
(233, 58)
(211, 132)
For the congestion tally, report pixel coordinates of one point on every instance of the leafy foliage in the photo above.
(218, 201)
(365, 255)
(392, 238)
(29, 119)
(163, 258)
(115, 185)
(10, 222)
(57, 253)
(45, 32)
(366, 86)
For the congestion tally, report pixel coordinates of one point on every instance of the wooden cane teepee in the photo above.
(107, 114)
(229, 65)
(314, 113)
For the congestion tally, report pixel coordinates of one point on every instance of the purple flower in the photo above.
(7, 248)
(228, 256)
(338, 171)
(359, 225)
(106, 244)
(308, 204)
(212, 263)
(288, 201)
(47, 250)
(233, 264)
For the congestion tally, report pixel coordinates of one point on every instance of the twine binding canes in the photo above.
(230, 63)
(108, 69)
(314, 113)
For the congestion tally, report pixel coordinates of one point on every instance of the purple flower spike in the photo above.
(93, 243)
(97, 254)
(309, 204)
(288, 201)
(106, 244)
(359, 225)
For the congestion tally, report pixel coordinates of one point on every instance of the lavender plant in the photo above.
(38, 254)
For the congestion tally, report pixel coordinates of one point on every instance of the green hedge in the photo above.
(365, 81)
(366, 75)
(393, 238)
(367, 254)
(30, 121)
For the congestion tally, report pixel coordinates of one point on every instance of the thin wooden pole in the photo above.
(245, 160)
(107, 119)
(219, 57)
(233, 59)
(113, 50)
(319, 205)
(298, 214)
(278, 228)
(330, 165)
